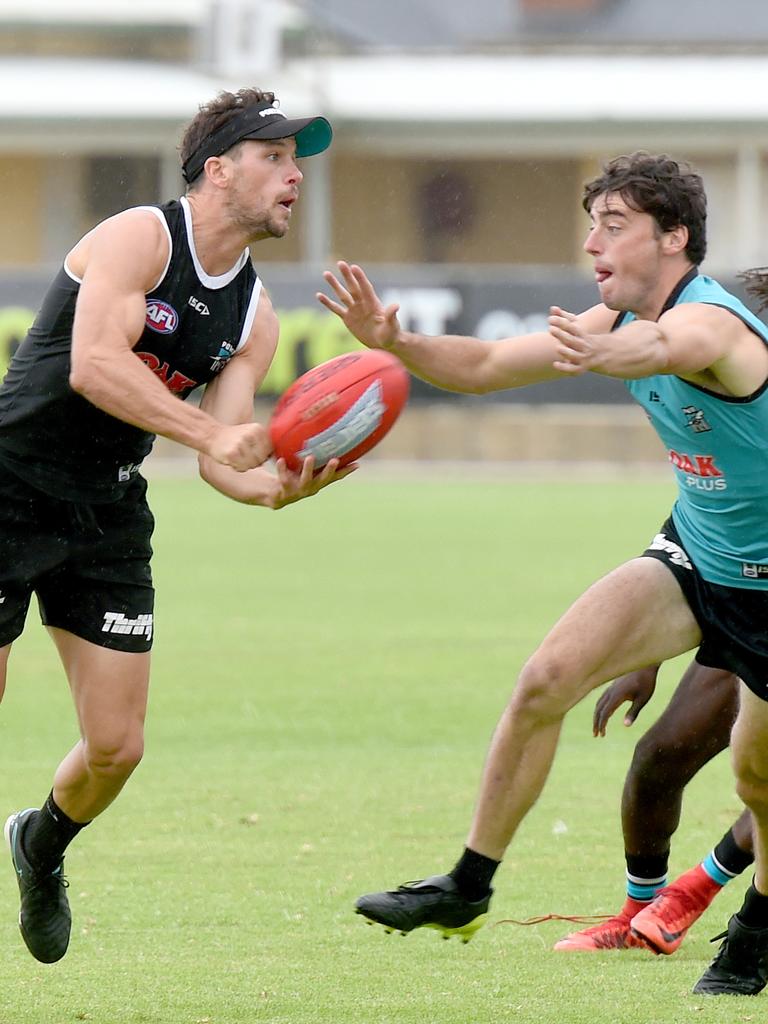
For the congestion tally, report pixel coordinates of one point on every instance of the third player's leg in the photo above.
(109, 689)
(633, 617)
(694, 727)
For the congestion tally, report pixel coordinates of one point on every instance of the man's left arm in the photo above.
(703, 343)
(229, 399)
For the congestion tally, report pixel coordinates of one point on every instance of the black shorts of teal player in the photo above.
(732, 619)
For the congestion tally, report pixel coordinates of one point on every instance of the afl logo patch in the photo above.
(161, 317)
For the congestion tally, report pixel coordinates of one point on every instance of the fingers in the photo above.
(334, 307)
(558, 311)
(573, 347)
(307, 472)
(343, 294)
(309, 480)
(331, 472)
(390, 315)
(606, 705)
(601, 716)
(635, 708)
(571, 368)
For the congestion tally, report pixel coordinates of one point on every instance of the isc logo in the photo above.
(161, 317)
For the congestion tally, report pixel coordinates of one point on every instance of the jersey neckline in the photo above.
(210, 281)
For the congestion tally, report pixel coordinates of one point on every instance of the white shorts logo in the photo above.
(116, 622)
(676, 554)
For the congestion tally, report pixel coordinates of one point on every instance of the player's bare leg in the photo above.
(741, 964)
(5, 653)
(633, 617)
(109, 689)
(694, 727)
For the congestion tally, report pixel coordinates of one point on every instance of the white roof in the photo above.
(143, 12)
(504, 100)
(45, 89)
(547, 87)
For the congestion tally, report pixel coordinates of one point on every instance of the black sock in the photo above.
(730, 856)
(47, 834)
(473, 874)
(754, 909)
(652, 866)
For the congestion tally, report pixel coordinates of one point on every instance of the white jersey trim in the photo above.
(159, 214)
(250, 314)
(220, 280)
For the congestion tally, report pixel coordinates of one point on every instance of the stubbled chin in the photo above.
(608, 296)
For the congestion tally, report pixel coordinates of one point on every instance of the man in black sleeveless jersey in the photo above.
(149, 305)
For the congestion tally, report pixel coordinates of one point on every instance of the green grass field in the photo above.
(326, 680)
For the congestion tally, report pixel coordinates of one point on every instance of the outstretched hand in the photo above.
(295, 486)
(635, 687)
(360, 308)
(575, 348)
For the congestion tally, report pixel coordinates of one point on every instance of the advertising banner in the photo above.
(433, 300)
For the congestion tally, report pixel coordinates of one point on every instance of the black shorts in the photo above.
(733, 620)
(87, 564)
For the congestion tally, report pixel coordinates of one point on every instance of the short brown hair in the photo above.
(671, 191)
(216, 113)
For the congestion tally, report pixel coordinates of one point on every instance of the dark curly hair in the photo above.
(671, 191)
(217, 112)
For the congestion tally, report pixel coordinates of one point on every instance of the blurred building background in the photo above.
(463, 136)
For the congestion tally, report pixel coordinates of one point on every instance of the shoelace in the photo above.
(52, 876)
(573, 918)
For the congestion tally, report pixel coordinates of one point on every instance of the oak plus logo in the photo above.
(161, 317)
(701, 471)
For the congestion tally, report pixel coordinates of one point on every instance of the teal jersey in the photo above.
(718, 447)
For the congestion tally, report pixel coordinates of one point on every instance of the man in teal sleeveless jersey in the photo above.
(148, 305)
(697, 360)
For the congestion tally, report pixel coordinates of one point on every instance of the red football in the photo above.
(339, 409)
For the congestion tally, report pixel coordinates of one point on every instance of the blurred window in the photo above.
(113, 183)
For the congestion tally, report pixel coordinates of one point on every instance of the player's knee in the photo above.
(116, 759)
(543, 691)
(653, 760)
(751, 783)
(753, 792)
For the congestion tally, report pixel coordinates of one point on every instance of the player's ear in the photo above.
(675, 240)
(217, 170)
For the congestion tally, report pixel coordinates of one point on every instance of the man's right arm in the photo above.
(453, 362)
(118, 262)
